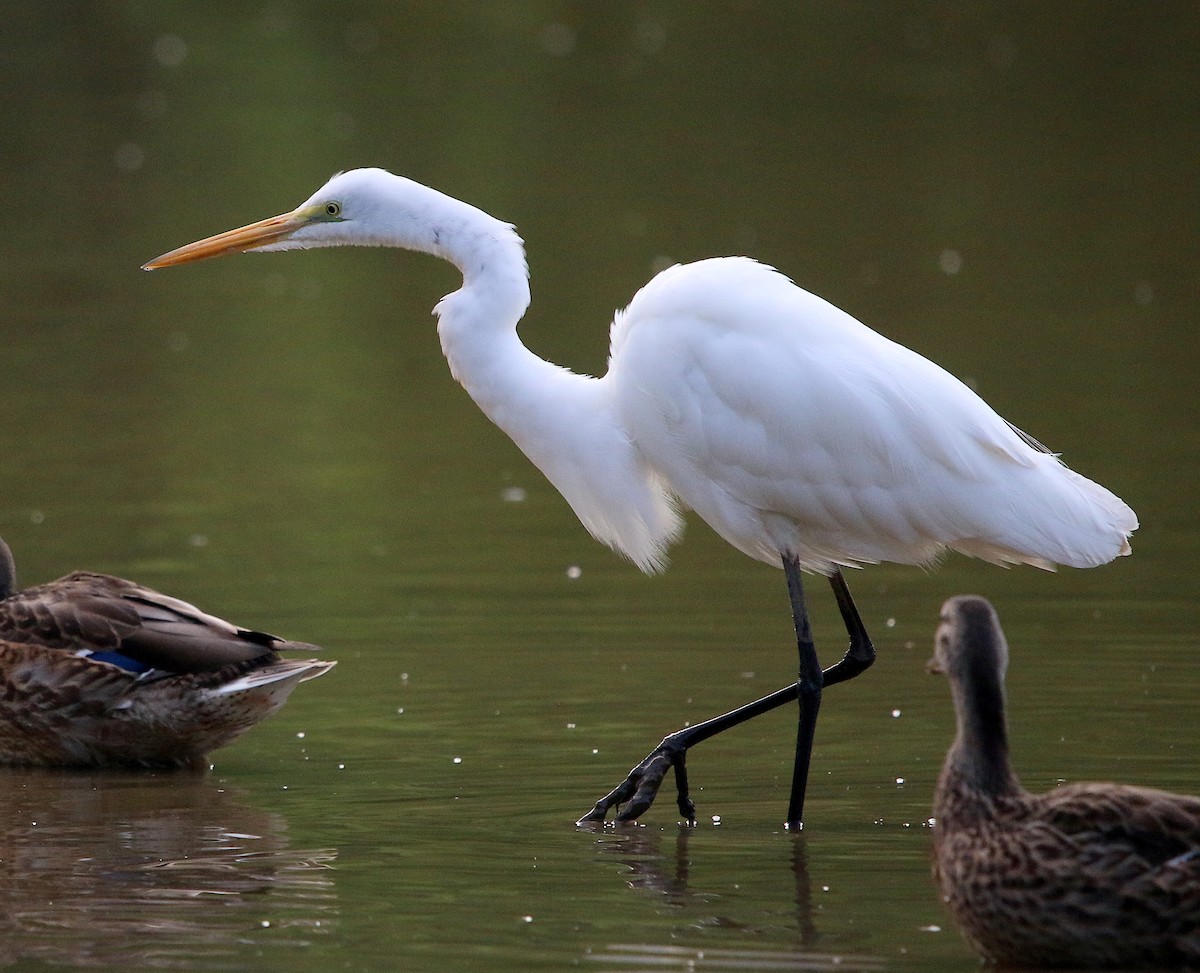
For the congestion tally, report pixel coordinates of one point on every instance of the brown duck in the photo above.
(96, 670)
(1088, 875)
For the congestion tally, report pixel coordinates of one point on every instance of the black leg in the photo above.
(811, 681)
(861, 653)
(637, 791)
(634, 795)
(808, 689)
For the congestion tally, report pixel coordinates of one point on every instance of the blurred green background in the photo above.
(1007, 188)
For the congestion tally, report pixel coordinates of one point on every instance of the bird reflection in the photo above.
(660, 866)
(651, 867)
(121, 868)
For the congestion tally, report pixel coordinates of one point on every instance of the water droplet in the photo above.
(950, 262)
(649, 37)
(129, 157)
(170, 50)
(558, 40)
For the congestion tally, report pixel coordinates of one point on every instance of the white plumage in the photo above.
(801, 436)
(791, 428)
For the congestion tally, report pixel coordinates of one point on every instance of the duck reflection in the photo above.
(108, 868)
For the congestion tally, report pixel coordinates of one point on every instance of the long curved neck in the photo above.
(979, 754)
(477, 326)
(564, 422)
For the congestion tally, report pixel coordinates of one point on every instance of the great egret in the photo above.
(1085, 875)
(96, 671)
(801, 436)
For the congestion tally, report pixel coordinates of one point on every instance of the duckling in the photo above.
(100, 671)
(1087, 875)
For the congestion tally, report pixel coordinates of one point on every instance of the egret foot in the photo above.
(634, 795)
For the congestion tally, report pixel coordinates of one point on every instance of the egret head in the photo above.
(362, 207)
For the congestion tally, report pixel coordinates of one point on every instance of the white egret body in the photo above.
(800, 435)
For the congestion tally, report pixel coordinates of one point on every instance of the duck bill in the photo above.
(244, 238)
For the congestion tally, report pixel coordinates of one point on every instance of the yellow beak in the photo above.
(233, 241)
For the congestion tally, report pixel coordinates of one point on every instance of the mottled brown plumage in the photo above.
(96, 670)
(1087, 875)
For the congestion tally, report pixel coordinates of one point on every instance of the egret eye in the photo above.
(333, 209)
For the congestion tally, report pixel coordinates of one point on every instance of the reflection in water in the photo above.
(627, 957)
(665, 873)
(167, 870)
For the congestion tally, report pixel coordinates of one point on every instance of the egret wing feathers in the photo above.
(788, 425)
